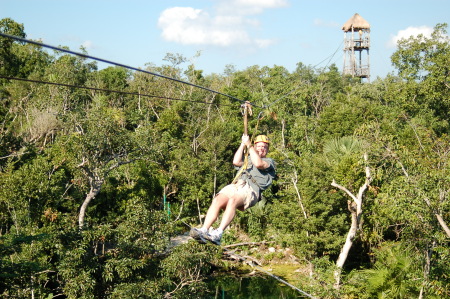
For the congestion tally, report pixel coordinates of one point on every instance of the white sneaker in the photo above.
(213, 236)
(198, 235)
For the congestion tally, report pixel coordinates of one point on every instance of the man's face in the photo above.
(262, 148)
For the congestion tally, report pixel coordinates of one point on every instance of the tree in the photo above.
(101, 145)
(425, 60)
(355, 208)
(395, 274)
(410, 159)
(9, 63)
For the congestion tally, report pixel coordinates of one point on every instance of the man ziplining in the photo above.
(255, 175)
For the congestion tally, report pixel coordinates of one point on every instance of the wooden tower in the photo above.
(356, 47)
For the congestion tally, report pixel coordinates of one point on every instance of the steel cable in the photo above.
(116, 64)
(110, 90)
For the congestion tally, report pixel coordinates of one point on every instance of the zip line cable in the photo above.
(148, 72)
(109, 90)
(285, 95)
(330, 57)
(116, 64)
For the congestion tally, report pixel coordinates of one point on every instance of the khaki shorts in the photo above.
(242, 190)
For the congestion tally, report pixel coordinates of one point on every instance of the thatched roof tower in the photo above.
(356, 47)
(356, 22)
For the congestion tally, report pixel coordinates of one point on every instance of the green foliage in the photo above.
(10, 62)
(26, 268)
(185, 270)
(426, 60)
(395, 274)
(145, 289)
(257, 286)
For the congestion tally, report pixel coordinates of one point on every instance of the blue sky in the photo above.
(241, 33)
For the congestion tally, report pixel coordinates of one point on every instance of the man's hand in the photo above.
(246, 140)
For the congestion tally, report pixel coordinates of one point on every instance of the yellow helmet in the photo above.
(262, 138)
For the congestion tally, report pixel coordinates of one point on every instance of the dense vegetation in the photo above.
(88, 176)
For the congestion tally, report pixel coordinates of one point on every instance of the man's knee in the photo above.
(234, 202)
(219, 200)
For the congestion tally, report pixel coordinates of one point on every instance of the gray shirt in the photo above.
(259, 179)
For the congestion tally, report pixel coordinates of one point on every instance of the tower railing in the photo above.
(357, 43)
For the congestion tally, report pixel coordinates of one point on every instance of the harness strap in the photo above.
(252, 179)
(244, 166)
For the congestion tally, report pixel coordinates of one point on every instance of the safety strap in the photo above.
(252, 179)
(244, 166)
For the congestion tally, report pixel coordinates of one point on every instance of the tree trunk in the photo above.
(348, 243)
(96, 180)
(95, 189)
(355, 208)
(300, 202)
(427, 268)
(443, 224)
(441, 220)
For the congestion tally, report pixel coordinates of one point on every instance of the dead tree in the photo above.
(355, 208)
(96, 179)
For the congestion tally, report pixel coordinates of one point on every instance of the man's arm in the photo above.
(256, 159)
(238, 156)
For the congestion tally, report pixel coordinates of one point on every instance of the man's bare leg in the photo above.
(219, 202)
(230, 211)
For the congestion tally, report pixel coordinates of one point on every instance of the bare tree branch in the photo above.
(355, 209)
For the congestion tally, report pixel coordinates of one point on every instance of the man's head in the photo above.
(262, 145)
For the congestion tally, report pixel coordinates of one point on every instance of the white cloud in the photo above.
(191, 26)
(229, 25)
(407, 33)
